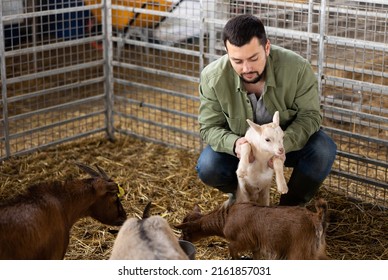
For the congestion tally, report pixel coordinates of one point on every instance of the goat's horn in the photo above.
(102, 173)
(146, 212)
(88, 169)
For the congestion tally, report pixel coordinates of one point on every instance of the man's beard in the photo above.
(254, 81)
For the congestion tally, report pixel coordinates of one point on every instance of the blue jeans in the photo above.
(311, 165)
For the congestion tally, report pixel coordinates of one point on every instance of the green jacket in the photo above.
(291, 88)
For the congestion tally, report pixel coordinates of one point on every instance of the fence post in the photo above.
(322, 29)
(108, 69)
(3, 76)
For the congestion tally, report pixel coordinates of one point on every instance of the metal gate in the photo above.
(73, 68)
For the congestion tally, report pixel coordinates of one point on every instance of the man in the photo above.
(252, 81)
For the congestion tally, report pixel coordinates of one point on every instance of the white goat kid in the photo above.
(255, 178)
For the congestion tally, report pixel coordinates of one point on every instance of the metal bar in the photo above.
(3, 74)
(24, 16)
(310, 28)
(357, 43)
(56, 142)
(363, 159)
(161, 90)
(156, 46)
(108, 69)
(155, 107)
(360, 179)
(304, 6)
(158, 124)
(321, 44)
(155, 71)
(382, 2)
(356, 85)
(202, 44)
(53, 46)
(356, 70)
(357, 12)
(56, 71)
(341, 119)
(358, 114)
(35, 94)
(287, 33)
(147, 139)
(154, 12)
(52, 125)
(57, 107)
(356, 136)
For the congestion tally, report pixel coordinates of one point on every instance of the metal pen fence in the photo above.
(71, 69)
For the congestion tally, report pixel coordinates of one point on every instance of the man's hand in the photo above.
(281, 157)
(237, 148)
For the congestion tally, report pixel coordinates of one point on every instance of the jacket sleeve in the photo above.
(308, 118)
(214, 129)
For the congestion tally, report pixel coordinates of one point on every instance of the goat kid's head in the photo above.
(107, 208)
(269, 137)
(190, 226)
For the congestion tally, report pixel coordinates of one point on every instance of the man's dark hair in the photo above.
(240, 30)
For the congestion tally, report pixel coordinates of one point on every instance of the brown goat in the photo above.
(36, 225)
(278, 232)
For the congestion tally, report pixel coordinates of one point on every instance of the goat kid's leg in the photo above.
(256, 255)
(233, 251)
(241, 193)
(242, 172)
(279, 176)
(263, 198)
(242, 169)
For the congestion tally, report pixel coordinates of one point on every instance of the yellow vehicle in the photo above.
(122, 19)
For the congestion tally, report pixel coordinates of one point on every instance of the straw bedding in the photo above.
(167, 177)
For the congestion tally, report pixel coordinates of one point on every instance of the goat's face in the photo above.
(269, 137)
(190, 226)
(273, 139)
(107, 209)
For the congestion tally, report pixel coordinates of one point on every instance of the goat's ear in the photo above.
(196, 209)
(146, 212)
(103, 188)
(112, 187)
(254, 126)
(275, 118)
(180, 226)
(189, 226)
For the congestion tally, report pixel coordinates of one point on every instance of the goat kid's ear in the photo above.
(196, 209)
(254, 126)
(180, 226)
(275, 118)
(146, 212)
(189, 226)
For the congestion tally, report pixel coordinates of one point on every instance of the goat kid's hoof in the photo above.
(246, 258)
(283, 190)
(242, 174)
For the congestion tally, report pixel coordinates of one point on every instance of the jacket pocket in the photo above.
(237, 125)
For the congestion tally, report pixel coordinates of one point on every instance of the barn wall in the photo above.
(71, 69)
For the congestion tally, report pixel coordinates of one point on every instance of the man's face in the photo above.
(249, 60)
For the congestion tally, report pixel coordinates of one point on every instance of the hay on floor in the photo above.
(167, 177)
